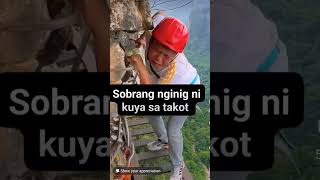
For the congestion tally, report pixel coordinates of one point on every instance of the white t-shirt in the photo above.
(185, 72)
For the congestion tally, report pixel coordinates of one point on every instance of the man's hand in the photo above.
(144, 76)
(136, 55)
(141, 42)
(135, 59)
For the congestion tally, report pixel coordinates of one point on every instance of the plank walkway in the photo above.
(135, 123)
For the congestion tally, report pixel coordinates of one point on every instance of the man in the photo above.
(96, 17)
(244, 40)
(166, 64)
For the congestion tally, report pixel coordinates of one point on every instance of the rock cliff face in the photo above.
(18, 51)
(21, 42)
(128, 20)
(19, 48)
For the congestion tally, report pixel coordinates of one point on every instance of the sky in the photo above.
(173, 7)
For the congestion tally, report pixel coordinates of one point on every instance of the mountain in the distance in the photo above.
(199, 27)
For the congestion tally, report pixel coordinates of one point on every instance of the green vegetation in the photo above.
(306, 159)
(298, 23)
(196, 136)
(196, 131)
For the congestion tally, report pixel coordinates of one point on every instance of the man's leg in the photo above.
(175, 139)
(161, 131)
(159, 127)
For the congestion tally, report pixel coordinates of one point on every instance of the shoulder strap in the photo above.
(269, 61)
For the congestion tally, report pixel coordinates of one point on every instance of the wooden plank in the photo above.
(140, 143)
(152, 155)
(135, 163)
(138, 132)
(186, 175)
(137, 121)
(166, 168)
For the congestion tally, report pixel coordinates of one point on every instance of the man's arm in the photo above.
(95, 16)
(143, 73)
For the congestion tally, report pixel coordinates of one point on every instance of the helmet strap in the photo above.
(154, 72)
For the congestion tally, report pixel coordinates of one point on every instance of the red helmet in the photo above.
(172, 33)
